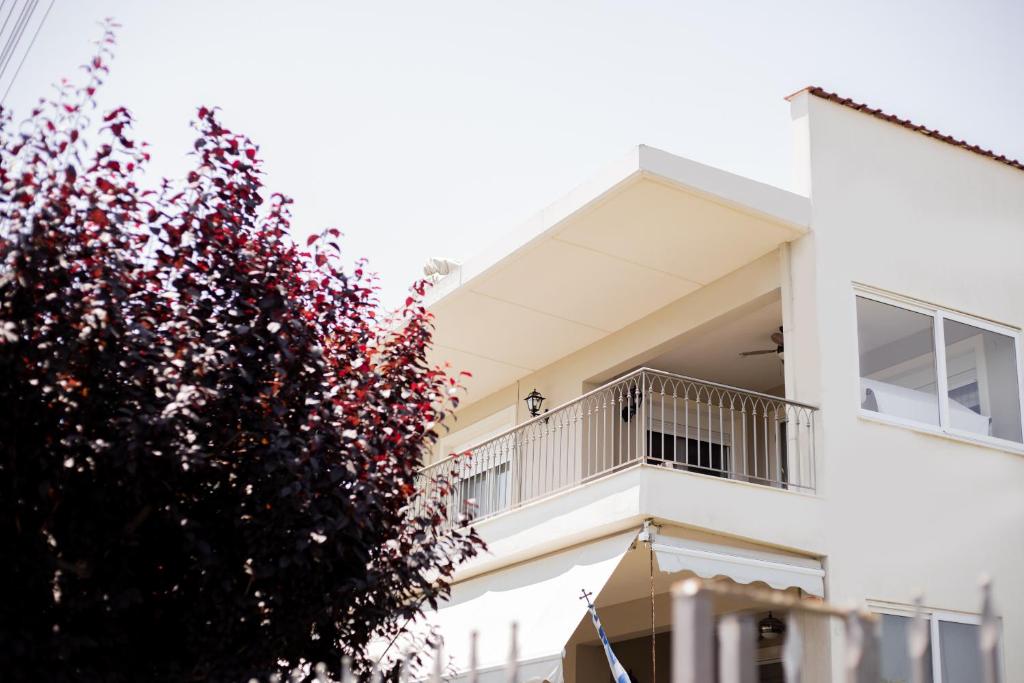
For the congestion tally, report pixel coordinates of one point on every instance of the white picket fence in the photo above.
(693, 625)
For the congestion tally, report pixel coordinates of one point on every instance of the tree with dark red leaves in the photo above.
(208, 434)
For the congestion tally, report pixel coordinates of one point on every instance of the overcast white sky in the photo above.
(429, 128)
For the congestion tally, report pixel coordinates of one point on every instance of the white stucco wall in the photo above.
(904, 510)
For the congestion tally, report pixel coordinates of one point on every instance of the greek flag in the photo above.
(618, 673)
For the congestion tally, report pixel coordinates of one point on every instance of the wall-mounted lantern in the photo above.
(534, 399)
(771, 628)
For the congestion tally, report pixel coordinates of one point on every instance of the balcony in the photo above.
(648, 418)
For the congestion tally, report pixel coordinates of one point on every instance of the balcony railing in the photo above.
(648, 417)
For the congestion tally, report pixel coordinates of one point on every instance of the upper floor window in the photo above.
(923, 365)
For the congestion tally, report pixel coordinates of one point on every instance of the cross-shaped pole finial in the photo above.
(585, 595)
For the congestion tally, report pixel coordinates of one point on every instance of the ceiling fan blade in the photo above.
(758, 353)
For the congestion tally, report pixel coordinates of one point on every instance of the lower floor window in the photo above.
(954, 653)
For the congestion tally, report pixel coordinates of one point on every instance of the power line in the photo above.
(14, 6)
(12, 38)
(27, 50)
(19, 30)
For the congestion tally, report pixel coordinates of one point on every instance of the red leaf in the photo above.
(311, 239)
(98, 217)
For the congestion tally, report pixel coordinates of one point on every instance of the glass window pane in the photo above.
(981, 371)
(485, 493)
(895, 657)
(958, 650)
(897, 361)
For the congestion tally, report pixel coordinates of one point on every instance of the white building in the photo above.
(882, 458)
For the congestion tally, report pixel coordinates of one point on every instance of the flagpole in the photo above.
(619, 675)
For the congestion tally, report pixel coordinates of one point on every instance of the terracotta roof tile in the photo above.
(878, 113)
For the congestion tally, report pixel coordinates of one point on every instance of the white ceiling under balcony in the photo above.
(648, 231)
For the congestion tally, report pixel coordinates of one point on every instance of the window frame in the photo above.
(939, 315)
(935, 618)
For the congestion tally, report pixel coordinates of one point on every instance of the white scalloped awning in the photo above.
(541, 596)
(708, 560)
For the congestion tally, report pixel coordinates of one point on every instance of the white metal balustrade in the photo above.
(648, 417)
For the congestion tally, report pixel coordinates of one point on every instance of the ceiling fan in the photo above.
(779, 349)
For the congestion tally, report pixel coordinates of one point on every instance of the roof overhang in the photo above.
(647, 231)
